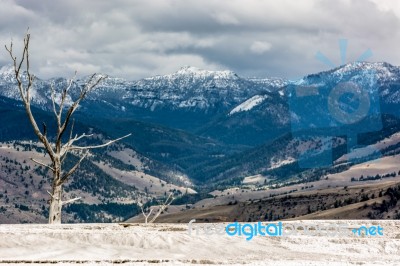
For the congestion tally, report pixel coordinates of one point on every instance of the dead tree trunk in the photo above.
(146, 216)
(57, 150)
(55, 205)
(161, 208)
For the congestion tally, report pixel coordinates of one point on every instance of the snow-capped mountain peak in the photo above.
(7, 70)
(208, 91)
(193, 88)
(381, 70)
(7, 73)
(198, 73)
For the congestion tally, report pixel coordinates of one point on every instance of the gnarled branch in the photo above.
(24, 90)
(43, 164)
(166, 203)
(146, 216)
(70, 148)
(70, 201)
(72, 170)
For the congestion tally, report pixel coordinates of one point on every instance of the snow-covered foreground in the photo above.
(171, 244)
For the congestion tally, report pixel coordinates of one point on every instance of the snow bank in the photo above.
(170, 244)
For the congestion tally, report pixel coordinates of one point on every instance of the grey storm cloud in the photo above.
(136, 39)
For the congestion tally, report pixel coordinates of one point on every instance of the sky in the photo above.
(134, 39)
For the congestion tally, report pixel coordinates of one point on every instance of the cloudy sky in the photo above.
(136, 39)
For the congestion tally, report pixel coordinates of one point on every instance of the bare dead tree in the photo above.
(146, 216)
(161, 208)
(56, 149)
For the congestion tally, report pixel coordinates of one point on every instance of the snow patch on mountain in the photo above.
(278, 163)
(249, 104)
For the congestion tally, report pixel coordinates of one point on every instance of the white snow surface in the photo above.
(249, 104)
(278, 163)
(170, 244)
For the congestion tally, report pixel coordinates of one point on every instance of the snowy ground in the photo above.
(171, 244)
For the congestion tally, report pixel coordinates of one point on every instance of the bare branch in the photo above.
(63, 152)
(146, 217)
(65, 93)
(25, 50)
(63, 202)
(162, 207)
(66, 147)
(76, 138)
(51, 195)
(16, 69)
(53, 100)
(30, 77)
(97, 146)
(24, 90)
(72, 170)
(43, 164)
(63, 156)
(87, 88)
(70, 201)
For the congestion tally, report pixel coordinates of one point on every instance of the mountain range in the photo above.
(210, 129)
